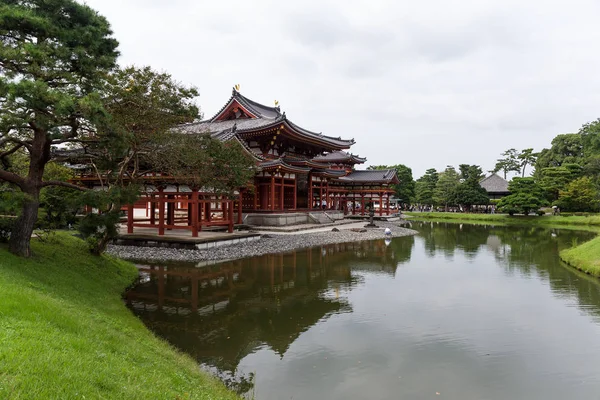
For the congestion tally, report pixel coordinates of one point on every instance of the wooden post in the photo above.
(272, 194)
(281, 193)
(194, 213)
(256, 189)
(380, 204)
(229, 205)
(295, 193)
(170, 211)
(387, 204)
(208, 216)
(327, 206)
(129, 218)
(310, 192)
(161, 212)
(200, 213)
(239, 217)
(152, 210)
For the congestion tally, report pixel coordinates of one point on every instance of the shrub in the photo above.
(6, 225)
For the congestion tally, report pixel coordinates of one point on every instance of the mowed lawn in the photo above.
(585, 257)
(65, 333)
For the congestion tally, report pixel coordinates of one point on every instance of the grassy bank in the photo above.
(590, 221)
(66, 333)
(585, 257)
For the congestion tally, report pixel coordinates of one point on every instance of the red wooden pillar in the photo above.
(282, 193)
(161, 212)
(380, 204)
(256, 189)
(310, 192)
(295, 192)
(239, 210)
(327, 206)
(230, 215)
(208, 203)
(194, 216)
(387, 204)
(152, 210)
(272, 194)
(129, 218)
(200, 213)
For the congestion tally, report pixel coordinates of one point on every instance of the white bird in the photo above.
(388, 232)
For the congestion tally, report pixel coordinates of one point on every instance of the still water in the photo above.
(456, 312)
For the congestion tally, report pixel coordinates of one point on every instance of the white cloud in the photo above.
(425, 84)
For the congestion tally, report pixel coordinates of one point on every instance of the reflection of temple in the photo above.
(221, 313)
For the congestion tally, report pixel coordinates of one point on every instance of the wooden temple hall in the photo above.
(301, 176)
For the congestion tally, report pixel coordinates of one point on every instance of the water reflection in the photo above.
(470, 311)
(221, 313)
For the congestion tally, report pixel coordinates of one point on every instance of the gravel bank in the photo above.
(266, 245)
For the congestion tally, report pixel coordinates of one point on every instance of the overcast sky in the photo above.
(424, 83)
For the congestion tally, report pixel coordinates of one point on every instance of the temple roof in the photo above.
(371, 176)
(340, 156)
(257, 117)
(281, 165)
(494, 184)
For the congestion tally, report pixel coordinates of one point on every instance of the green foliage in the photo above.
(525, 196)
(566, 149)
(60, 204)
(144, 106)
(470, 173)
(469, 193)
(425, 187)
(446, 186)
(526, 157)
(509, 163)
(405, 190)
(6, 226)
(100, 227)
(54, 57)
(553, 179)
(579, 195)
(203, 162)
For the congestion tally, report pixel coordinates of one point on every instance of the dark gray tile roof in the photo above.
(267, 164)
(376, 175)
(494, 184)
(339, 156)
(266, 117)
(232, 126)
(334, 173)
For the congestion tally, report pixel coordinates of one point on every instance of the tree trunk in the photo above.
(20, 236)
(39, 155)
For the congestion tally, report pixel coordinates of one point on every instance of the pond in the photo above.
(456, 312)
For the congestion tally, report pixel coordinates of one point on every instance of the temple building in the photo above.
(299, 170)
(302, 177)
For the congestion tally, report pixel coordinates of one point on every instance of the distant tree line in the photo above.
(566, 175)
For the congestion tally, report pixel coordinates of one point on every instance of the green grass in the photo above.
(585, 257)
(546, 220)
(65, 332)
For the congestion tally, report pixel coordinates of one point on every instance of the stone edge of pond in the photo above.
(267, 244)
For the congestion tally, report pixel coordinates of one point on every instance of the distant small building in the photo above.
(495, 186)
